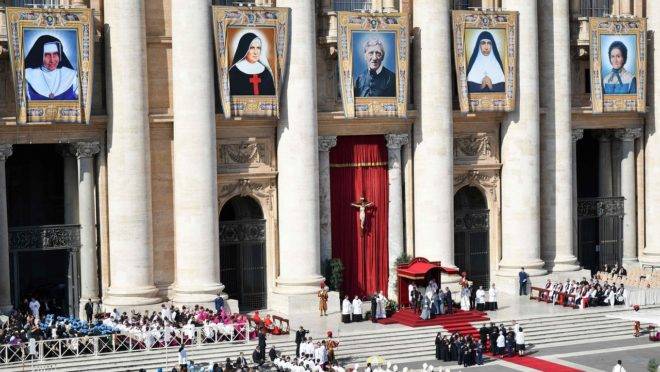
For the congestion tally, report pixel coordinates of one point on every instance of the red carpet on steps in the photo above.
(460, 321)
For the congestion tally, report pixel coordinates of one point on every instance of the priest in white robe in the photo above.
(381, 304)
(357, 309)
(481, 298)
(49, 73)
(485, 71)
(346, 310)
(491, 304)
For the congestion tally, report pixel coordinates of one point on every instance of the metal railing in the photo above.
(37, 351)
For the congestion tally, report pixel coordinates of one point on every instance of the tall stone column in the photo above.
(577, 135)
(629, 191)
(298, 160)
(5, 277)
(556, 139)
(129, 163)
(652, 146)
(604, 165)
(325, 144)
(433, 158)
(395, 222)
(194, 155)
(89, 279)
(521, 235)
(70, 186)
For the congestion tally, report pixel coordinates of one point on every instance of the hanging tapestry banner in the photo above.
(373, 54)
(52, 59)
(251, 52)
(485, 54)
(617, 52)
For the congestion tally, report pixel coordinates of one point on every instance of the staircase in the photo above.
(399, 345)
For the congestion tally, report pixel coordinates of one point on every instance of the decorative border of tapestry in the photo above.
(251, 54)
(617, 52)
(485, 55)
(374, 55)
(52, 58)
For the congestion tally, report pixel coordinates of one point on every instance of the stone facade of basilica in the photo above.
(159, 180)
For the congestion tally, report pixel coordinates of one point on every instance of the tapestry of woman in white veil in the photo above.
(250, 73)
(485, 71)
(48, 71)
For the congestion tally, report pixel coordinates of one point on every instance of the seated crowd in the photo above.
(171, 326)
(639, 277)
(581, 294)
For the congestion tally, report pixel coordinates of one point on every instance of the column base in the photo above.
(631, 261)
(532, 268)
(650, 258)
(134, 296)
(562, 264)
(302, 303)
(198, 295)
(299, 286)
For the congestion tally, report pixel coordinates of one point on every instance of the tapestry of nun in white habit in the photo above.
(60, 83)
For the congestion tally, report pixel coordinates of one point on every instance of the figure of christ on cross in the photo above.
(362, 204)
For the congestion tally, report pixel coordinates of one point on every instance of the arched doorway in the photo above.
(471, 228)
(243, 252)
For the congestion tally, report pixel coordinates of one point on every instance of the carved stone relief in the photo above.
(243, 153)
(262, 189)
(488, 180)
(473, 146)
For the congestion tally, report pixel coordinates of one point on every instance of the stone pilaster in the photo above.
(89, 281)
(521, 215)
(556, 143)
(70, 185)
(297, 157)
(577, 135)
(433, 134)
(395, 222)
(605, 165)
(194, 155)
(652, 147)
(5, 278)
(129, 162)
(628, 189)
(325, 144)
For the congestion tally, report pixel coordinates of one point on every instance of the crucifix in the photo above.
(362, 204)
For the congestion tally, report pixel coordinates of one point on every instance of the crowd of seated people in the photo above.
(640, 277)
(581, 294)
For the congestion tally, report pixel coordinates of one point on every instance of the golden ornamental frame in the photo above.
(469, 19)
(601, 102)
(398, 24)
(225, 17)
(79, 19)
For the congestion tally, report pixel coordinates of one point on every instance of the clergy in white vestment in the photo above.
(381, 304)
(491, 304)
(480, 298)
(346, 310)
(357, 309)
(485, 71)
(49, 73)
(465, 299)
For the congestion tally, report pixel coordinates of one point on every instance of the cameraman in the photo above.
(300, 337)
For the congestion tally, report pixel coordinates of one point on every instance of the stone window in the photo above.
(595, 8)
(465, 4)
(351, 5)
(35, 3)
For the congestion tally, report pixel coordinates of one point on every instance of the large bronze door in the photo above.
(600, 232)
(243, 253)
(471, 235)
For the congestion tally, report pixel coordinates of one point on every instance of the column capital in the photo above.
(6, 149)
(85, 149)
(628, 134)
(395, 141)
(327, 142)
(604, 136)
(577, 134)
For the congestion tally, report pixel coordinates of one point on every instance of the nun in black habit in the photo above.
(250, 74)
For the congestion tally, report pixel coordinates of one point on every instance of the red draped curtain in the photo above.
(358, 168)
